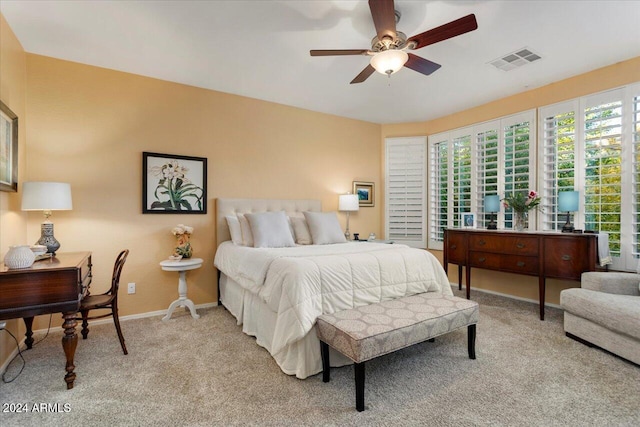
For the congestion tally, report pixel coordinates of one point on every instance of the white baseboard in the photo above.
(486, 291)
(23, 346)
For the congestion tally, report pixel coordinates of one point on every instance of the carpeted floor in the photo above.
(207, 372)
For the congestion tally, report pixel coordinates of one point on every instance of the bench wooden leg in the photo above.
(471, 340)
(359, 371)
(324, 354)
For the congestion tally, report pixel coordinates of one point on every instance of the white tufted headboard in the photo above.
(226, 207)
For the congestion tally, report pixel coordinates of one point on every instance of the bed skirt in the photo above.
(301, 358)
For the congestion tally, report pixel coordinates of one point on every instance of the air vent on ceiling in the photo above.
(515, 59)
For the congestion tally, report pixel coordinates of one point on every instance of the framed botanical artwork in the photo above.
(173, 184)
(365, 192)
(8, 149)
(468, 220)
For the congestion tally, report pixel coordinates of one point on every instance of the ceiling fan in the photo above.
(388, 48)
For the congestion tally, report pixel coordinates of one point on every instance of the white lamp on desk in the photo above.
(348, 203)
(47, 197)
(491, 206)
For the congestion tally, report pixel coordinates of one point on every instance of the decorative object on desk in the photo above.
(47, 197)
(568, 201)
(183, 246)
(356, 236)
(348, 203)
(8, 149)
(491, 206)
(365, 192)
(20, 256)
(174, 184)
(372, 237)
(468, 220)
(521, 202)
(38, 249)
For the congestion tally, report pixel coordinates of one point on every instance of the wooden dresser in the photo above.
(542, 254)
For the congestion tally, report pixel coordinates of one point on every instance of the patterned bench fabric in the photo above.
(369, 331)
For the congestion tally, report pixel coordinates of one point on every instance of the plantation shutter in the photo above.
(487, 138)
(406, 190)
(602, 115)
(635, 137)
(438, 189)
(558, 159)
(460, 171)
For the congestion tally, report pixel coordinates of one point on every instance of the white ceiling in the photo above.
(260, 49)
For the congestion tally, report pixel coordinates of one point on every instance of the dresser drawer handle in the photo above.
(481, 243)
(520, 263)
(566, 257)
(520, 245)
(453, 247)
(482, 259)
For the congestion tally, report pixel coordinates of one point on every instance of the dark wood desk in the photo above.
(55, 285)
(542, 254)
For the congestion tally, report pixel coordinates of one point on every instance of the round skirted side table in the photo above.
(182, 266)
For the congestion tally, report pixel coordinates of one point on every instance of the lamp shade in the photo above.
(348, 203)
(568, 201)
(492, 203)
(50, 196)
(389, 61)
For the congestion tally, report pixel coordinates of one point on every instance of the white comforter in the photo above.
(303, 282)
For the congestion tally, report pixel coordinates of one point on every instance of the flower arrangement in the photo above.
(183, 246)
(522, 201)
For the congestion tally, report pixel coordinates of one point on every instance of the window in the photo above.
(405, 190)
(590, 145)
(470, 163)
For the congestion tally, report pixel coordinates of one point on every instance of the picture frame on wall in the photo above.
(365, 192)
(8, 149)
(173, 184)
(468, 220)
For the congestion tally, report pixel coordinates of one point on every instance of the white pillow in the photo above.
(234, 229)
(270, 230)
(301, 231)
(247, 236)
(324, 228)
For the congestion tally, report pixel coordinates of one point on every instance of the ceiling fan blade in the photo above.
(421, 65)
(334, 52)
(364, 74)
(446, 31)
(384, 18)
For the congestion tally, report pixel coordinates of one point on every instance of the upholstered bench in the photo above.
(366, 332)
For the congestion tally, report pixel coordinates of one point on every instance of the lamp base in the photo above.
(47, 239)
(568, 227)
(492, 224)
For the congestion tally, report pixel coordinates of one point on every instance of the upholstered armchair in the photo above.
(605, 312)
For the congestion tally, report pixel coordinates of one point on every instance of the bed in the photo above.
(276, 294)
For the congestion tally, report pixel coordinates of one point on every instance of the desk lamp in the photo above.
(568, 202)
(46, 197)
(491, 206)
(348, 203)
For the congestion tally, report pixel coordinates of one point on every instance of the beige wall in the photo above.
(595, 81)
(89, 126)
(13, 229)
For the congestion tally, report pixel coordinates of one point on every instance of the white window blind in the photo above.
(518, 159)
(635, 188)
(438, 194)
(460, 193)
(487, 168)
(405, 193)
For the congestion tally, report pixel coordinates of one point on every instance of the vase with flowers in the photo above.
(521, 203)
(183, 245)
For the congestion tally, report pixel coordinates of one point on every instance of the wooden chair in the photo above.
(108, 300)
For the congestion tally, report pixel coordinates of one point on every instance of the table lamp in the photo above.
(491, 206)
(348, 203)
(46, 197)
(568, 202)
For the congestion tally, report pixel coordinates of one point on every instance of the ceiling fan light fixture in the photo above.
(389, 61)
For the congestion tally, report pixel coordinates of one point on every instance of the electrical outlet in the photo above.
(3, 325)
(132, 288)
